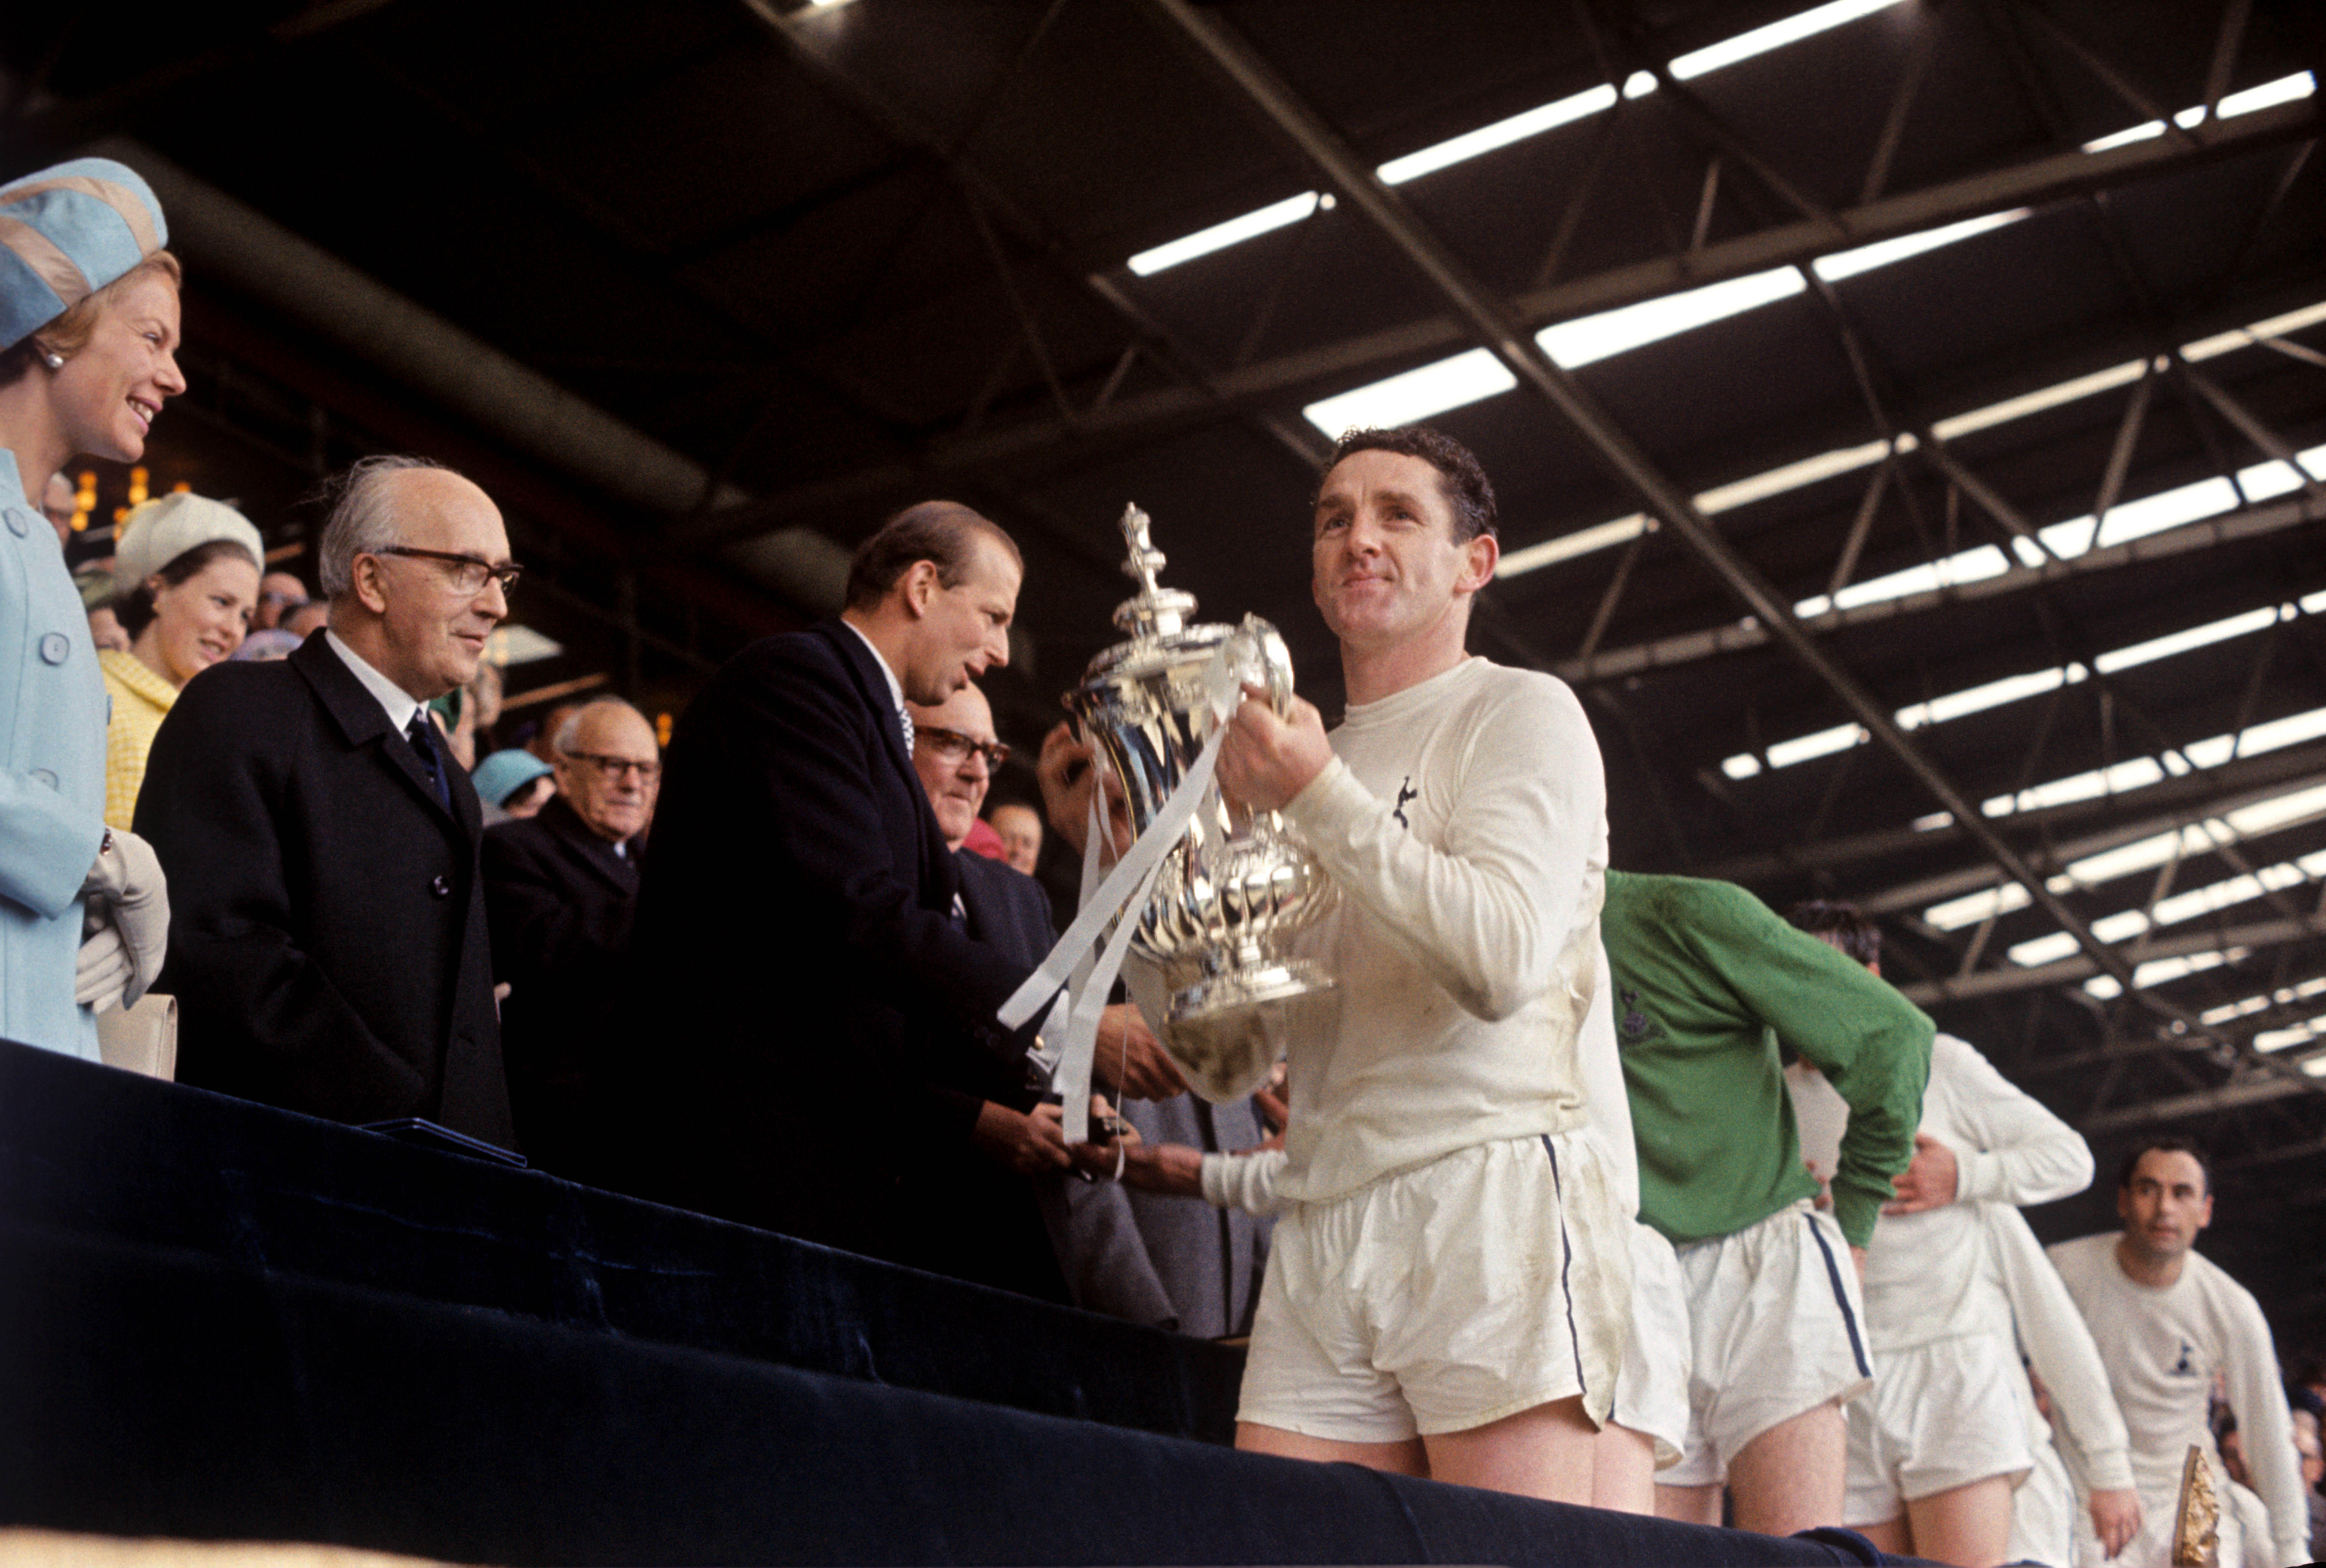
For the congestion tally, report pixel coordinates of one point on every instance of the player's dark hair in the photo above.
(1460, 480)
(1845, 925)
(2165, 1143)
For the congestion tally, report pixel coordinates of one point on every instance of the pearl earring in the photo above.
(53, 359)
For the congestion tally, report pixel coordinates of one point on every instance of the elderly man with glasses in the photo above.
(560, 889)
(329, 949)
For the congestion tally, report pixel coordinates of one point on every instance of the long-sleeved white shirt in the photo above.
(2163, 1349)
(1249, 1181)
(2053, 1336)
(1464, 822)
(1928, 1275)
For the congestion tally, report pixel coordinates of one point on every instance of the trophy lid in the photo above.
(1154, 611)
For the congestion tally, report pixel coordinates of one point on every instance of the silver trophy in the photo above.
(1238, 888)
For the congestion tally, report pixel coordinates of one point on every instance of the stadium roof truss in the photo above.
(1909, 415)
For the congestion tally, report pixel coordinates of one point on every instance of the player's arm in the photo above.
(1873, 1045)
(1487, 914)
(2060, 1348)
(2022, 1153)
(2257, 1399)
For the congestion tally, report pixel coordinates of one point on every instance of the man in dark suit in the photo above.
(329, 947)
(560, 889)
(808, 1005)
(1089, 1227)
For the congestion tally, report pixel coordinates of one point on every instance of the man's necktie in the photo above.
(906, 719)
(423, 735)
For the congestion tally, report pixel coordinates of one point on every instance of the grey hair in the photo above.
(570, 732)
(361, 522)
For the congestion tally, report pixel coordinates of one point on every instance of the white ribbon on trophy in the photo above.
(1081, 985)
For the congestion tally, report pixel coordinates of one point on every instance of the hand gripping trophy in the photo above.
(1236, 888)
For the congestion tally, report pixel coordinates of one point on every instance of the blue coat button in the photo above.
(17, 524)
(43, 775)
(54, 647)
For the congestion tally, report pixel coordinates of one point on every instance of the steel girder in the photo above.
(1307, 373)
(1492, 322)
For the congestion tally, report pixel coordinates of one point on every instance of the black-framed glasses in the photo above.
(469, 572)
(612, 768)
(953, 746)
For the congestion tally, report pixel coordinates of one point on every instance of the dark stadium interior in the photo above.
(807, 265)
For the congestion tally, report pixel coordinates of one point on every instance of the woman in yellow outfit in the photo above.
(186, 575)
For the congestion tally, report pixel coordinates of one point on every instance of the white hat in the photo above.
(162, 530)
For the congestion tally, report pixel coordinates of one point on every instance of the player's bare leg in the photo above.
(1624, 1471)
(1405, 1458)
(1789, 1476)
(1542, 1453)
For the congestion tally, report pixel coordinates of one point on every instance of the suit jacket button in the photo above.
(54, 647)
(43, 775)
(442, 888)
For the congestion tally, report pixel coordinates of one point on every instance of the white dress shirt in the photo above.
(400, 705)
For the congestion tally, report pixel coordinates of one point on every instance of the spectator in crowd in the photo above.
(303, 621)
(1019, 827)
(2306, 1444)
(513, 785)
(1937, 1448)
(1090, 1229)
(983, 840)
(279, 593)
(187, 571)
(480, 708)
(89, 334)
(96, 595)
(59, 504)
(1708, 982)
(2167, 1322)
(330, 954)
(798, 912)
(560, 889)
(263, 647)
(543, 742)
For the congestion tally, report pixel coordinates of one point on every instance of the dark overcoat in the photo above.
(821, 1027)
(561, 901)
(328, 940)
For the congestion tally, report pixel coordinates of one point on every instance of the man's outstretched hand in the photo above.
(1131, 1060)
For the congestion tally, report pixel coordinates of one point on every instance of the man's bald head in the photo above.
(949, 740)
(609, 768)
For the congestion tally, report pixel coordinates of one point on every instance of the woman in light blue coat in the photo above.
(89, 331)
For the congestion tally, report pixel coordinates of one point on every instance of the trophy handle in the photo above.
(1269, 661)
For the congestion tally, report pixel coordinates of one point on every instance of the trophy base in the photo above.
(1228, 1030)
(1253, 985)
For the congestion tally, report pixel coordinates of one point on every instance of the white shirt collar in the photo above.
(895, 688)
(400, 706)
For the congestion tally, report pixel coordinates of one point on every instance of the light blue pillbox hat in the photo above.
(67, 232)
(502, 774)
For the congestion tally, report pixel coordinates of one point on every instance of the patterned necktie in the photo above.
(423, 735)
(906, 719)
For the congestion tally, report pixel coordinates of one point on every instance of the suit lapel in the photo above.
(580, 843)
(872, 685)
(362, 721)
